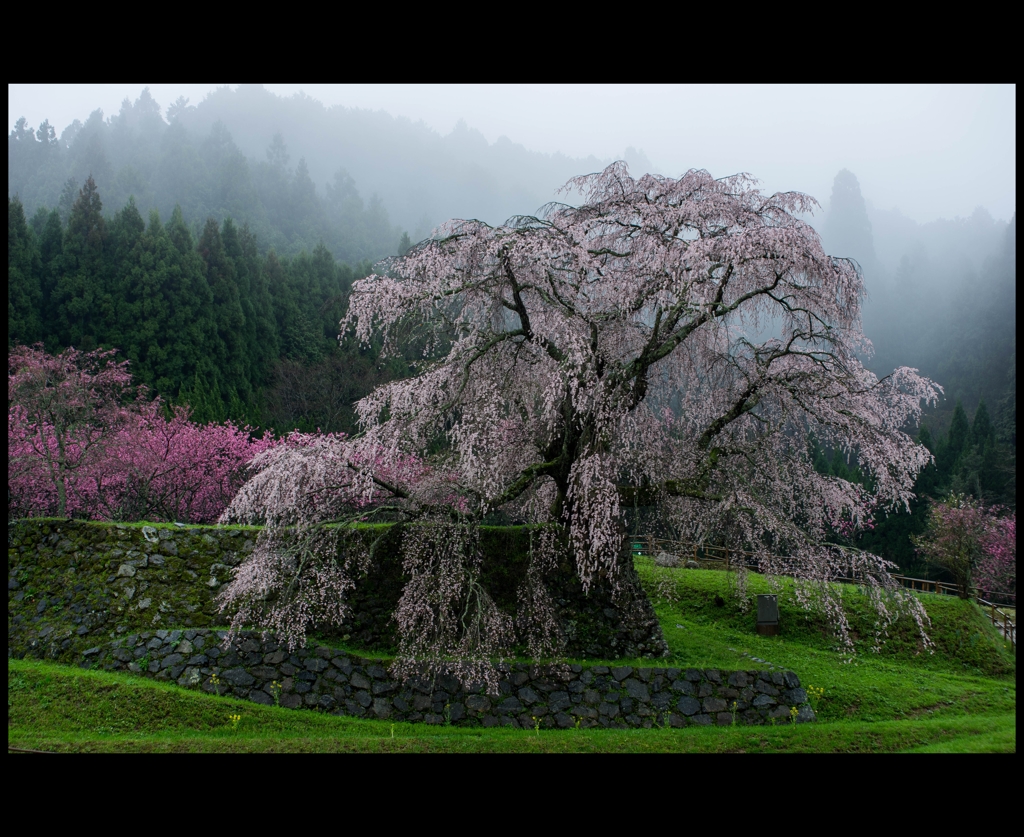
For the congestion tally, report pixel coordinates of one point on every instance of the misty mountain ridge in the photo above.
(423, 177)
(941, 295)
(420, 177)
(416, 178)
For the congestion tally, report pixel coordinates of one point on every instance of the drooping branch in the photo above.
(612, 349)
(524, 317)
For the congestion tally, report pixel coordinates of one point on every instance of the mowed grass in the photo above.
(970, 669)
(960, 698)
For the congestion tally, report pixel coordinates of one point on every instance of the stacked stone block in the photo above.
(73, 583)
(553, 696)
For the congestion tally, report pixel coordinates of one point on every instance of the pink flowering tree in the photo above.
(997, 568)
(64, 414)
(303, 569)
(973, 544)
(170, 468)
(565, 340)
(79, 444)
(953, 540)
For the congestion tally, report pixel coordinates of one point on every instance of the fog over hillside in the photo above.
(212, 235)
(934, 151)
(423, 178)
(941, 297)
(301, 169)
(365, 167)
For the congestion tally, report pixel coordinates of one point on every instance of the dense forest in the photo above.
(288, 167)
(193, 245)
(136, 154)
(207, 321)
(941, 299)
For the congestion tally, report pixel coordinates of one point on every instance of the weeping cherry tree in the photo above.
(677, 339)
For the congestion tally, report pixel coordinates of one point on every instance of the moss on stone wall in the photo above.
(75, 584)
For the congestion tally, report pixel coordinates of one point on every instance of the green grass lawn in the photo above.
(961, 697)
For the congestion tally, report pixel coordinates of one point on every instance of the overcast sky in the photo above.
(932, 151)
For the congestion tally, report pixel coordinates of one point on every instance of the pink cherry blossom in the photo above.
(974, 544)
(79, 445)
(686, 335)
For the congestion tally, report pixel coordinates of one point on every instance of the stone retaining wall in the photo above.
(73, 584)
(556, 696)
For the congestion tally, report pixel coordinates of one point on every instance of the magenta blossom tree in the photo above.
(973, 544)
(64, 414)
(81, 443)
(675, 338)
(170, 468)
(997, 567)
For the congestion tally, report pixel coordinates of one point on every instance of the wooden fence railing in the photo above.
(927, 585)
(699, 553)
(1004, 622)
(707, 556)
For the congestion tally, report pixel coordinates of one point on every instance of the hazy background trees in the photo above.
(941, 298)
(290, 168)
(215, 245)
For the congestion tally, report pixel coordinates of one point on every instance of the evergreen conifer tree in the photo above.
(24, 293)
(229, 339)
(81, 290)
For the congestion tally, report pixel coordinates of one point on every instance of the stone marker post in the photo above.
(768, 615)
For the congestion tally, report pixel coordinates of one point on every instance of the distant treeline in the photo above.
(969, 460)
(208, 322)
(137, 154)
(942, 300)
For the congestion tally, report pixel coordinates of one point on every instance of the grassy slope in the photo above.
(962, 698)
(971, 670)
